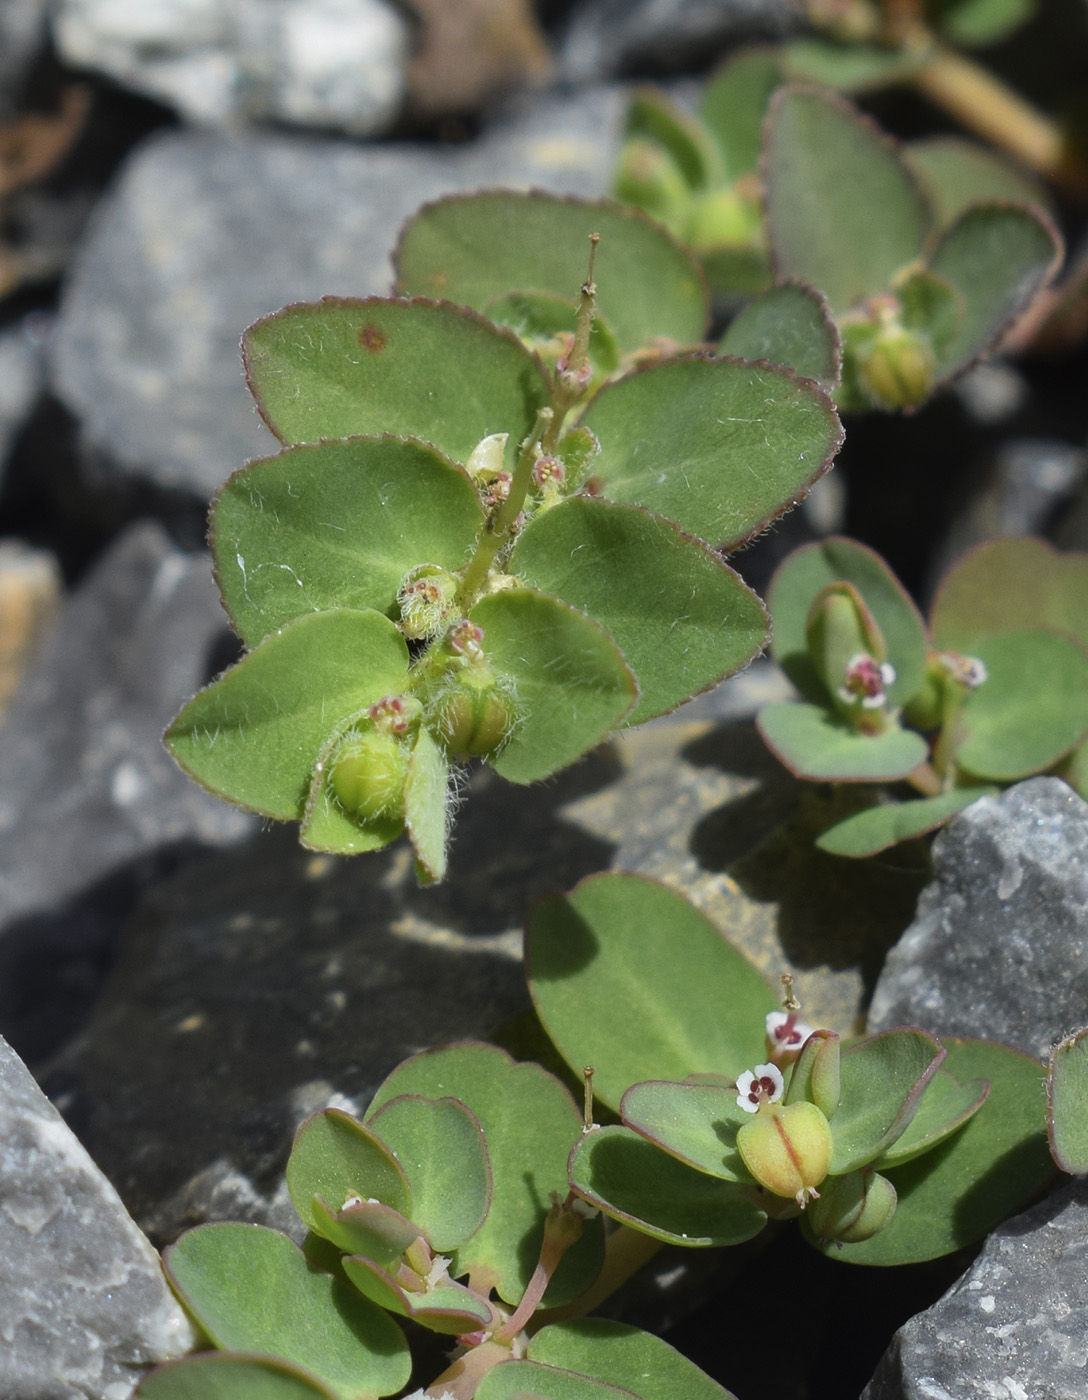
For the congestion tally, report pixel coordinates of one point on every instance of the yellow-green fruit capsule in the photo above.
(896, 368)
(787, 1148)
(367, 774)
(853, 1207)
(474, 716)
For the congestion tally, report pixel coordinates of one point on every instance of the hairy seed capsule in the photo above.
(367, 774)
(474, 716)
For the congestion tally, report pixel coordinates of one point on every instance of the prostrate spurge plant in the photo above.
(477, 543)
(468, 1200)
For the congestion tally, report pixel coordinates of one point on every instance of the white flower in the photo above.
(785, 1032)
(762, 1085)
(866, 680)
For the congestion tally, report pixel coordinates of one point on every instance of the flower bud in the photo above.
(853, 1207)
(367, 774)
(787, 1148)
(426, 597)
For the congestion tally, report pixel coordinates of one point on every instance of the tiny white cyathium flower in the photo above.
(755, 1087)
(969, 671)
(866, 680)
(785, 1031)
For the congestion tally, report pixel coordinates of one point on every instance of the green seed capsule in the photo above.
(896, 369)
(853, 1207)
(367, 774)
(787, 1148)
(474, 716)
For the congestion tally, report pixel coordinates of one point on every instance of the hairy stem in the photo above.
(985, 105)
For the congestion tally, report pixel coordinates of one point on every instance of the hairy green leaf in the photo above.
(719, 446)
(790, 325)
(682, 619)
(1067, 1103)
(814, 743)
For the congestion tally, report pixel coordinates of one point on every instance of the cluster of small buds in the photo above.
(496, 490)
(426, 598)
(465, 639)
(548, 471)
(867, 680)
(390, 715)
(968, 671)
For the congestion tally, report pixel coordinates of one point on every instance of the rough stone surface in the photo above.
(999, 945)
(84, 1307)
(266, 982)
(203, 235)
(22, 377)
(1013, 1327)
(611, 38)
(22, 34)
(325, 63)
(86, 788)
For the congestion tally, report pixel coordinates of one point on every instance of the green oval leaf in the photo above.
(446, 1307)
(626, 941)
(696, 1123)
(254, 735)
(687, 141)
(945, 1106)
(877, 828)
(1067, 1103)
(850, 67)
(337, 1158)
(843, 211)
(633, 1181)
(571, 684)
(814, 743)
(682, 619)
(529, 1380)
(837, 559)
(217, 1377)
(529, 1121)
(473, 248)
(440, 1147)
(625, 1356)
(882, 1079)
(955, 173)
(337, 525)
(733, 106)
(791, 325)
(997, 257)
(1030, 711)
(344, 367)
(952, 1196)
(1008, 584)
(971, 22)
(252, 1290)
(722, 447)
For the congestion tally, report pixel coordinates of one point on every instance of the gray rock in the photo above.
(22, 377)
(999, 945)
(203, 235)
(84, 1307)
(1013, 1326)
(86, 787)
(22, 35)
(324, 63)
(613, 38)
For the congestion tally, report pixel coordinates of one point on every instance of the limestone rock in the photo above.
(1013, 1325)
(84, 1307)
(999, 946)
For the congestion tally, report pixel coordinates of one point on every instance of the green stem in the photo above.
(985, 105)
(499, 530)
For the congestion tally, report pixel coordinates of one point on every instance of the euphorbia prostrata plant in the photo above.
(494, 531)
(470, 1198)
